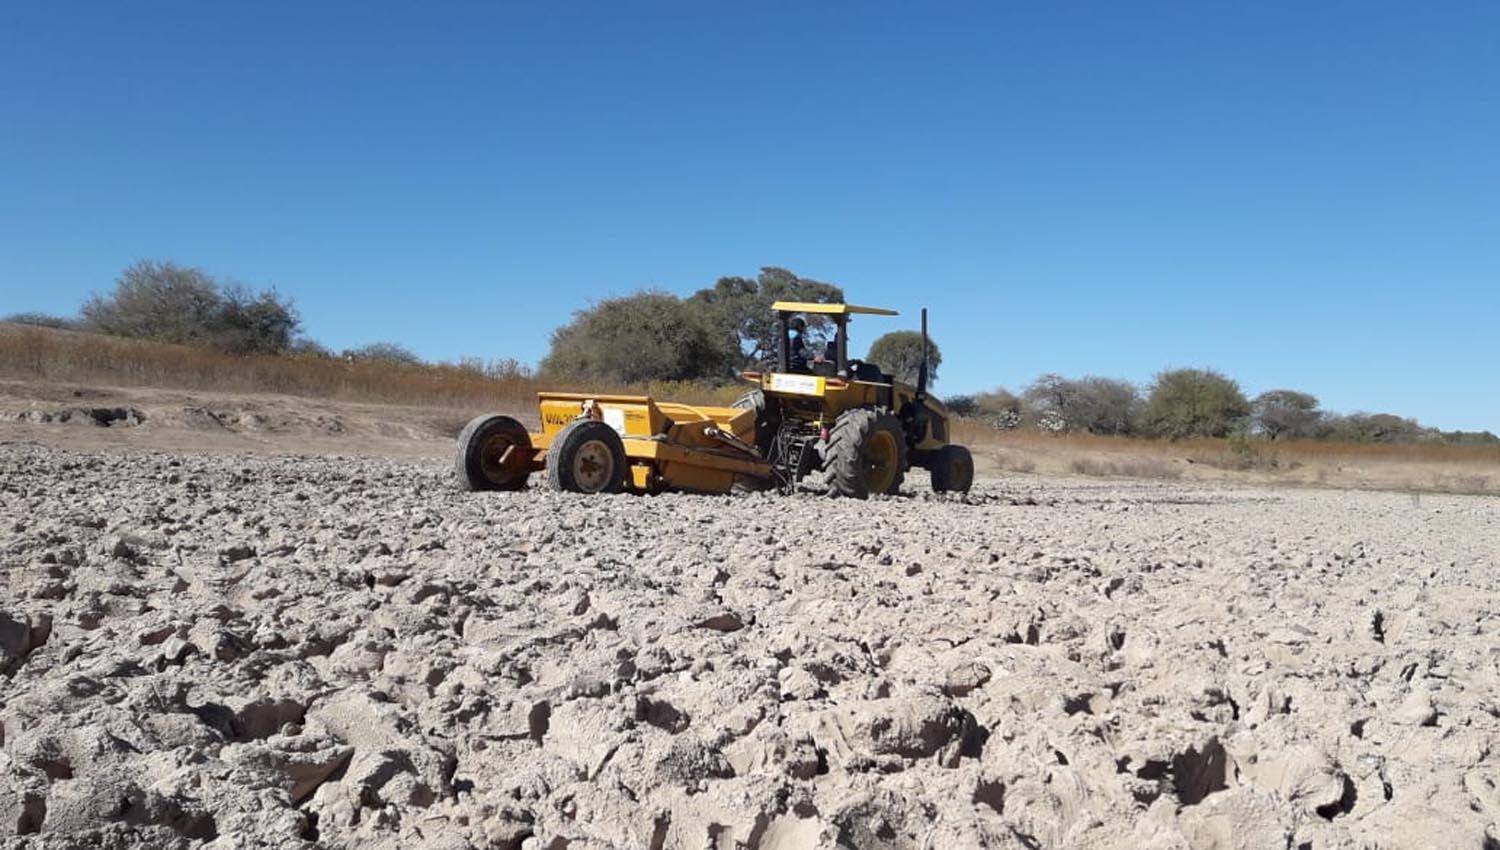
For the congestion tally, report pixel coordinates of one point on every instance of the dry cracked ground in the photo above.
(222, 651)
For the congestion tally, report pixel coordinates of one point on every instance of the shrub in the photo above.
(504, 368)
(43, 320)
(1001, 408)
(962, 405)
(384, 352)
(170, 303)
(156, 300)
(1193, 403)
(1375, 428)
(1092, 404)
(1246, 451)
(252, 323)
(1471, 438)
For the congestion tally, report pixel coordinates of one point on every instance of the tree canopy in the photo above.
(899, 353)
(182, 304)
(1093, 404)
(648, 336)
(1193, 403)
(1286, 414)
(739, 309)
(709, 335)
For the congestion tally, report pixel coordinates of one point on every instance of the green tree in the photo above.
(1286, 414)
(1193, 403)
(899, 353)
(642, 337)
(739, 309)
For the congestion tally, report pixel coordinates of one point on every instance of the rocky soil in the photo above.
(225, 651)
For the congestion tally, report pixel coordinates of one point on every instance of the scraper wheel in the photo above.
(494, 453)
(587, 456)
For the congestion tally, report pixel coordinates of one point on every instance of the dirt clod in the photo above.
(234, 651)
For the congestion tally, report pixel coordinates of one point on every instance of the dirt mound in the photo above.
(103, 417)
(164, 419)
(230, 651)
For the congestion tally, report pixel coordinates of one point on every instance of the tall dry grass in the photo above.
(46, 355)
(1221, 453)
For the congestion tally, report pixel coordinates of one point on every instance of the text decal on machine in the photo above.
(802, 384)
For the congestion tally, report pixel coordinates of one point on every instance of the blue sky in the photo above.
(1301, 194)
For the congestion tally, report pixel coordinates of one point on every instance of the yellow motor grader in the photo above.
(840, 422)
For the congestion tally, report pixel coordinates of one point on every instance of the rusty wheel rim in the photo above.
(500, 460)
(593, 466)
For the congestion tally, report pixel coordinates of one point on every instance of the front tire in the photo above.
(587, 456)
(866, 454)
(494, 453)
(952, 470)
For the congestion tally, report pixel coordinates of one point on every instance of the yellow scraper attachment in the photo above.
(670, 446)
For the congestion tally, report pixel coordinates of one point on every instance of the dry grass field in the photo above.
(1413, 467)
(45, 355)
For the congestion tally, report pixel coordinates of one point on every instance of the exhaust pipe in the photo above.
(922, 373)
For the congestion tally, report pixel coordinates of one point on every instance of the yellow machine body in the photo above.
(819, 400)
(669, 446)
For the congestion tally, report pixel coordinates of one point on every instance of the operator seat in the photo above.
(869, 372)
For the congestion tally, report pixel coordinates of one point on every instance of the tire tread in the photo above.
(844, 457)
(560, 475)
(466, 462)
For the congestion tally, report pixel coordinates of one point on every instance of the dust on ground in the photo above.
(224, 650)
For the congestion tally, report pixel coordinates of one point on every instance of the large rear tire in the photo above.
(587, 456)
(952, 470)
(494, 453)
(866, 454)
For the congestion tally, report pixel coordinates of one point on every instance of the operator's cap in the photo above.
(799, 323)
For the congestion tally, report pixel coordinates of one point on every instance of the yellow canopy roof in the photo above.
(830, 309)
